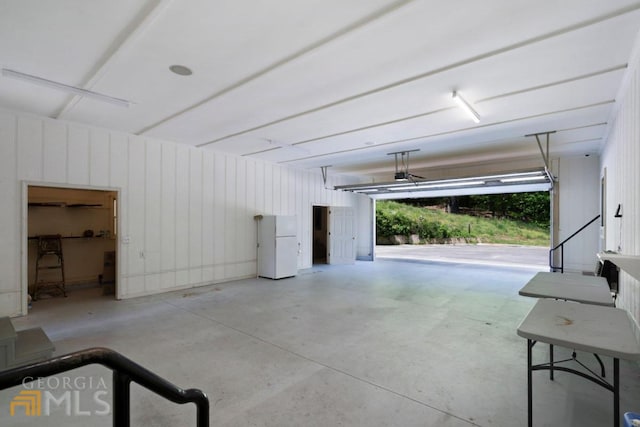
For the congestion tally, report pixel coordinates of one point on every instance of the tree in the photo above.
(528, 207)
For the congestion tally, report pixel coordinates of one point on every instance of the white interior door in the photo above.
(342, 236)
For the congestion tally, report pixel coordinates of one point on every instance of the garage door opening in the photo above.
(510, 218)
(504, 228)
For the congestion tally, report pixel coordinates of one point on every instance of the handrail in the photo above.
(124, 371)
(561, 246)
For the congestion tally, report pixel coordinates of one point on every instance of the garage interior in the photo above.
(203, 116)
(386, 343)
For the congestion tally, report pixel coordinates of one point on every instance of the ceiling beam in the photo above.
(120, 45)
(451, 132)
(428, 113)
(283, 61)
(449, 67)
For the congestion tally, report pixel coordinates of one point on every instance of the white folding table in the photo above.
(590, 328)
(570, 287)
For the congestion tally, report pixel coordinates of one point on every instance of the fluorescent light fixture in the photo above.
(65, 88)
(466, 107)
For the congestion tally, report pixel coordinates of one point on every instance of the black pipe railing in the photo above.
(561, 247)
(124, 370)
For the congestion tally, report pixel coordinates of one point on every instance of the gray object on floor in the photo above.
(22, 347)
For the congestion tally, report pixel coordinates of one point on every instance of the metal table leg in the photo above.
(616, 392)
(530, 345)
(614, 388)
(551, 362)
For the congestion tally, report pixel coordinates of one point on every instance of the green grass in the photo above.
(393, 218)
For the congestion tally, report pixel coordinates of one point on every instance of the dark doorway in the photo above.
(320, 215)
(84, 222)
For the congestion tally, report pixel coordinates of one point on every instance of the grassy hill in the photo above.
(436, 226)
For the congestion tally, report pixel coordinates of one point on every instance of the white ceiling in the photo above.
(330, 82)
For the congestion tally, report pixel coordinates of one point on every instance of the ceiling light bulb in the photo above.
(181, 70)
(466, 107)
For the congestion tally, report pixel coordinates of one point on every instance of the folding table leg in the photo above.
(616, 392)
(530, 344)
(551, 362)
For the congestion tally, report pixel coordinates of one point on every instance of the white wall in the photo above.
(621, 159)
(187, 212)
(578, 202)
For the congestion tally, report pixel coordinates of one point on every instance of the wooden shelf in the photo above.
(64, 205)
(77, 237)
(85, 205)
(47, 204)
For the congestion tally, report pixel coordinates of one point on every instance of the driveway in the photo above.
(529, 257)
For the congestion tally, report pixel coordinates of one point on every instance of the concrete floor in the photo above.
(383, 343)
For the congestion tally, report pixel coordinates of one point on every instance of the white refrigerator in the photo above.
(277, 247)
